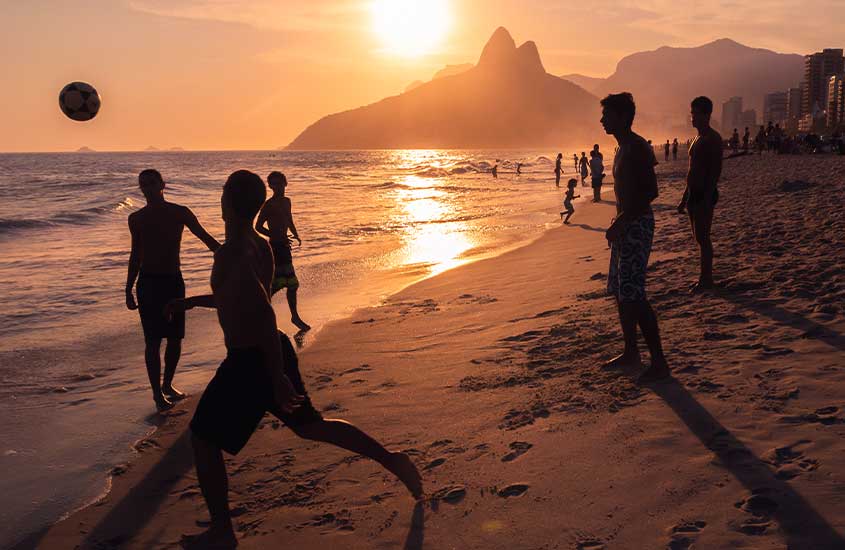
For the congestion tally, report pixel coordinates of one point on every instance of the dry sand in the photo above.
(488, 374)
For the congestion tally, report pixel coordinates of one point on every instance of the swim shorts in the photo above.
(154, 292)
(235, 400)
(629, 259)
(284, 276)
(695, 201)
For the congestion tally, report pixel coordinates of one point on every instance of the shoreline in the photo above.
(487, 375)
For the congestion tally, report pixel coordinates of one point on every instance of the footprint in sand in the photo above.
(683, 535)
(513, 490)
(435, 463)
(791, 462)
(518, 448)
(452, 494)
(590, 544)
(760, 503)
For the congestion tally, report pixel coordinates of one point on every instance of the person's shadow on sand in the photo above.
(414, 540)
(588, 227)
(770, 498)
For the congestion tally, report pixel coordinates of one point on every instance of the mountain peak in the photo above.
(500, 47)
(529, 57)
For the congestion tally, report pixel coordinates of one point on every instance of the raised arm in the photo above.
(134, 266)
(194, 225)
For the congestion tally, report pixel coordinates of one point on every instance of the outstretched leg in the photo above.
(347, 436)
(152, 357)
(568, 215)
(295, 318)
(172, 353)
(211, 474)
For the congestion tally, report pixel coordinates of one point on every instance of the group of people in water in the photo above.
(260, 373)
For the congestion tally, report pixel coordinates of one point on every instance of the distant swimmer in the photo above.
(156, 231)
(495, 171)
(702, 193)
(260, 373)
(583, 165)
(558, 169)
(568, 209)
(275, 220)
(518, 168)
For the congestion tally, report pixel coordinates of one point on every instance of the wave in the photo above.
(75, 217)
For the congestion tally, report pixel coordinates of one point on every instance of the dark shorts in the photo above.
(154, 292)
(235, 400)
(695, 201)
(629, 259)
(284, 275)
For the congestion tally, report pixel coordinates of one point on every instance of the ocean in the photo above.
(74, 396)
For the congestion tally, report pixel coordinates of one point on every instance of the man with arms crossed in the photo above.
(277, 214)
(156, 231)
(630, 236)
(701, 194)
(260, 373)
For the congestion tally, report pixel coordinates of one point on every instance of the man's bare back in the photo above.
(158, 228)
(277, 215)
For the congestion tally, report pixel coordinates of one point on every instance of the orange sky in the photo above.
(251, 74)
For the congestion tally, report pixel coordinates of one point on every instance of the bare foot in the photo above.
(300, 324)
(173, 394)
(403, 467)
(701, 286)
(162, 403)
(214, 538)
(654, 373)
(622, 361)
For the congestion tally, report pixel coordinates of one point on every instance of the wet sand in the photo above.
(489, 376)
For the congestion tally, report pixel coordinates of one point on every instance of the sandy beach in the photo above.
(488, 375)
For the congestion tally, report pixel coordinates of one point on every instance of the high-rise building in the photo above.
(731, 114)
(818, 68)
(836, 101)
(776, 107)
(793, 109)
(748, 119)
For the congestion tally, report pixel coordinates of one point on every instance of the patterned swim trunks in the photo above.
(629, 259)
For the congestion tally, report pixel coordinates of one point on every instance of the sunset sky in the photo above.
(251, 74)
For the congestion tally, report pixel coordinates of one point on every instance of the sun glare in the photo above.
(411, 28)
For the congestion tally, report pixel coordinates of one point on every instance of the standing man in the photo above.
(156, 232)
(260, 373)
(630, 236)
(675, 149)
(699, 200)
(277, 214)
(666, 147)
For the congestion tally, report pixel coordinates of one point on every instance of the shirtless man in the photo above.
(275, 220)
(630, 236)
(156, 231)
(701, 194)
(260, 373)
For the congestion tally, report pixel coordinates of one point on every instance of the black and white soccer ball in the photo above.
(79, 101)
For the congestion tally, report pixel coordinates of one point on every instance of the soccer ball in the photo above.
(79, 101)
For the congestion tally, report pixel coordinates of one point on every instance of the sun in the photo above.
(411, 28)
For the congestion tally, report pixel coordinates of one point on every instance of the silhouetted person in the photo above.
(568, 209)
(596, 174)
(518, 168)
(734, 141)
(495, 170)
(583, 166)
(275, 220)
(770, 136)
(156, 232)
(675, 149)
(630, 236)
(575, 160)
(701, 194)
(597, 152)
(666, 148)
(760, 140)
(746, 138)
(260, 373)
(558, 169)
(778, 133)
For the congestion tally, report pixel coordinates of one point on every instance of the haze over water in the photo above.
(71, 354)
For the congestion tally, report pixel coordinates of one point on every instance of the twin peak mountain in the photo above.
(508, 100)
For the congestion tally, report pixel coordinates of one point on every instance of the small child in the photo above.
(567, 200)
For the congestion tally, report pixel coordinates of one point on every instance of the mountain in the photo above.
(665, 80)
(85, 149)
(152, 148)
(589, 83)
(448, 70)
(506, 100)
